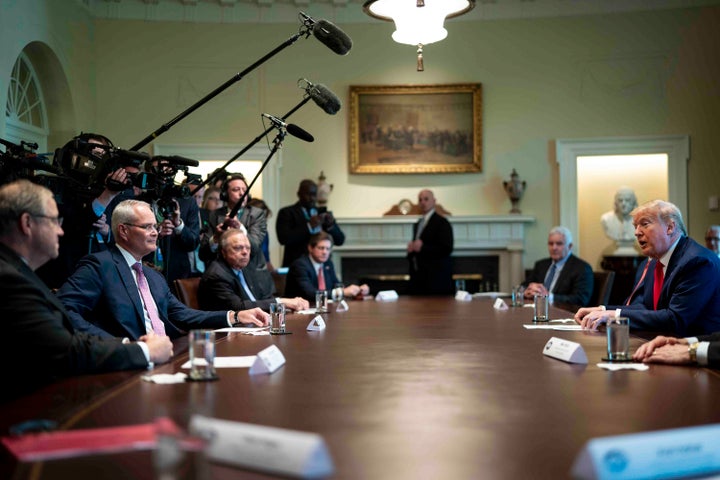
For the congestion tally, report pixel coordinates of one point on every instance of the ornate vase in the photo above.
(515, 189)
(323, 190)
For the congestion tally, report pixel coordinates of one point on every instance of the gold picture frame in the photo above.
(416, 129)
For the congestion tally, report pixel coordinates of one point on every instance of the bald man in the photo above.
(429, 251)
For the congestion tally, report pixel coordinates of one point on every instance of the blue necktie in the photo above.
(549, 277)
(245, 286)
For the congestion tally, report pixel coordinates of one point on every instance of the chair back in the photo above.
(186, 290)
(602, 288)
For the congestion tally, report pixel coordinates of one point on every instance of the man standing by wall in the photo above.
(429, 251)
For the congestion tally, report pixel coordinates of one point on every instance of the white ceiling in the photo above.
(350, 11)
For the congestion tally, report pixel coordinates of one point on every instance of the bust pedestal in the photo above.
(624, 267)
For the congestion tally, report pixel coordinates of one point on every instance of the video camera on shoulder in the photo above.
(159, 181)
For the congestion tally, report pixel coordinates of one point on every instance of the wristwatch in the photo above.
(235, 316)
(692, 351)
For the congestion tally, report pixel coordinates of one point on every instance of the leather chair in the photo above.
(602, 288)
(186, 290)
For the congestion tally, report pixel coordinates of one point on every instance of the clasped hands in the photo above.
(535, 288)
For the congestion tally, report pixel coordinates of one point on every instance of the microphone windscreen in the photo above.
(298, 132)
(324, 98)
(334, 38)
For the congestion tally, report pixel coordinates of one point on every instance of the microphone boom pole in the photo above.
(236, 78)
(248, 147)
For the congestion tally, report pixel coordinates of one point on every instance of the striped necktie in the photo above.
(152, 311)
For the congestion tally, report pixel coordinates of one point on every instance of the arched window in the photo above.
(25, 114)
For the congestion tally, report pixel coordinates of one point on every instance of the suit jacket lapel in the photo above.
(128, 281)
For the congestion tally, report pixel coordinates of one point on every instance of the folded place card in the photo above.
(565, 350)
(342, 306)
(268, 361)
(386, 296)
(500, 304)
(267, 449)
(316, 324)
(463, 296)
(681, 452)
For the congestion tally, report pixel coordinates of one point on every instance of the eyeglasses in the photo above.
(147, 227)
(56, 220)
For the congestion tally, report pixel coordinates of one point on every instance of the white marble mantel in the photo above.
(501, 235)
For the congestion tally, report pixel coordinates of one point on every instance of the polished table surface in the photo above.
(418, 389)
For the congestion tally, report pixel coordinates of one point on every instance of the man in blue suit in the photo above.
(108, 293)
(305, 277)
(678, 287)
(39, 341)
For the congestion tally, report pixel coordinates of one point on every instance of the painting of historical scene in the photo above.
(415, 129)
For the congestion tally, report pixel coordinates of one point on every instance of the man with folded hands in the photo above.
(226, 283)
(39, 340)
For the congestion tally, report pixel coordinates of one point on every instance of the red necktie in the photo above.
(658, 283)
(321, 279)
(157, 324)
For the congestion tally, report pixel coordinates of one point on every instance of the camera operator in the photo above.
(177, 215)
(297, 223)
(86, 224)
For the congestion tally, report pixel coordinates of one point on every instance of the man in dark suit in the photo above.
(315, 271)
(227, 284)
(703, 350)
(251, 220)
(112, 294)
(565, 278)
(678, 287)
(39, 342)
(296, 223)
(429, 251)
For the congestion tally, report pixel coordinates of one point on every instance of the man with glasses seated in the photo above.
(712, 239)
(315, 271)
(39, 340)
(112, 294)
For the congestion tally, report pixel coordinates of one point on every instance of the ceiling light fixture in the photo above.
(418, 22)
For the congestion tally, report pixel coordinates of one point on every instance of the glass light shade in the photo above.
(417, 25)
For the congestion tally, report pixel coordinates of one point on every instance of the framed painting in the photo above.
(416, 129)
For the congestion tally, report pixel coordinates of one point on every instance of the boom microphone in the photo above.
(292, 129)
(329, 35)
(322, 96)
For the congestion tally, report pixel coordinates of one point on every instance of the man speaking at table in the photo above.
(112, 294)
(678, 286)
(39, 342)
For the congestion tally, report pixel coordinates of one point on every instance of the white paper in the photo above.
(491, 294)
(561, 328)
(246, 330)
(623, 366)
(166, 378)
(307, 311)
(228, 362)
(316, 324)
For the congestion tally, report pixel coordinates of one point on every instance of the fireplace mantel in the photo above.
(500, 235)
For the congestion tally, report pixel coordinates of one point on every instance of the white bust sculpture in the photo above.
(618, 224)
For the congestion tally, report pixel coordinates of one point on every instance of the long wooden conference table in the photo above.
(427, 388)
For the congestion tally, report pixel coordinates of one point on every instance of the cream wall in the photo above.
(61, 46)
(577, 77)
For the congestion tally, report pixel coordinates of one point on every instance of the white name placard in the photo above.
(267, 449)
(676, 453)
(316, 324)
(463, 296)
(500, 304)
(386, 296)
(342, 306)
(565, 350)
(268, 361)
